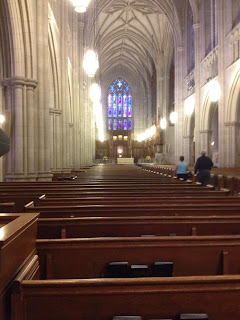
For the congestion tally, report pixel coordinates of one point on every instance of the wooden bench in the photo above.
(88, 257)
(152, 298)
(87, 227)
(133, 209)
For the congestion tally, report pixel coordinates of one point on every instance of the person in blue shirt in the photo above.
(181, 169)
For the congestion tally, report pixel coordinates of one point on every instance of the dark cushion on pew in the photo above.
(172, 234)
(138, 270)
(193, 316)
(147, 235)
(127, 318)
(117, 270)
(162, 269)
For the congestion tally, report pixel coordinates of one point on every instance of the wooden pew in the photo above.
(218, 296)
(51, 201)
(133, 209)
(88, 257)
(17, 245)
(88, 227)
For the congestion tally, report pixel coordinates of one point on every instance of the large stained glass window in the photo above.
(120, 107)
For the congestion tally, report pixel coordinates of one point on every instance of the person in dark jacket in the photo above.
(202, 168)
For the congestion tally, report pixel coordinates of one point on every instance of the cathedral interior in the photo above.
(83, 81)
(98, 101)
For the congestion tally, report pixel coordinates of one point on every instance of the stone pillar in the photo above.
(221, 79)
(179, 102)
(21, 163)
(197, 71)
(31, 130)
(64, 87)
(231, 133)
(188, 141)
(82, 88)
(205, 136)
(42, 106)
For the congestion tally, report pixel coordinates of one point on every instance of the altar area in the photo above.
(125, 160)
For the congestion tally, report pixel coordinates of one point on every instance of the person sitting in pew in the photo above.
(181, 169)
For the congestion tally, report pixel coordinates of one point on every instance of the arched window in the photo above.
(120, 106)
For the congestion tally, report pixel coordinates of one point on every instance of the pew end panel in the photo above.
(17, 244)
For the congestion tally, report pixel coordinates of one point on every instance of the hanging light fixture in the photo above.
(163, 123)
(90, 63)
(80, 6)
(173, 117)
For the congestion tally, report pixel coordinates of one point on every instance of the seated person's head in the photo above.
(181, 158)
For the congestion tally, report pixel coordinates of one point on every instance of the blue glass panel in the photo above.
(129, 106)
(125, 124)
(127, 89)
(120, 105)
(125, 105)
(114, 124)
(119, 124)
(114, 105)
(129, 124)
(109, 124)
(110, 105)
(119, 84)
(112, 89)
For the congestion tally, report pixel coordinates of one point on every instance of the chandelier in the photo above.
(80, 6)
(90, 63)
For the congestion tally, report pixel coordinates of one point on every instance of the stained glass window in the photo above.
(109, 124)
(114, 124)
(125, 125)
(110, 106)
(120, 108)
(129, 124)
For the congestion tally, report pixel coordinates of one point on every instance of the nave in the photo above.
(119, 241)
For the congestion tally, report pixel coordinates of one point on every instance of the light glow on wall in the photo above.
(173, 117)
(95, 96)
(189, 106)
(2, 118)
(163, 123)
(214, 91)
(147, 134)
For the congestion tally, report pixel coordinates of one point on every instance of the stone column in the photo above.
(82, 88)
(42, 106)
(197, 71)
(64, 87)
(231, 133)
(221, 79)
(188, 140)
(31, 130)
(205, 136)
(179, 102)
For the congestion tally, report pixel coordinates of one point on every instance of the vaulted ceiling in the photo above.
(134, 34)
